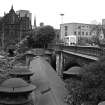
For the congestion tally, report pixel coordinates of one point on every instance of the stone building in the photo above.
(23, 13)
(78, 29)
(13, 28)
(84, 32)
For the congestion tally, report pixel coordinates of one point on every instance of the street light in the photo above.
(62, 17)
(3, 37)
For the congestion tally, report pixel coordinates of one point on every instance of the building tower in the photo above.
(103, 23)
(61, 17)
(35, 22)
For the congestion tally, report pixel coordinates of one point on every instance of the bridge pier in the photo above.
(59, 64)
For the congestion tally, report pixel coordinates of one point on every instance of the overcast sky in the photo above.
(48, 11)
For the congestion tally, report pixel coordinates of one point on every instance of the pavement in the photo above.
(50, 88)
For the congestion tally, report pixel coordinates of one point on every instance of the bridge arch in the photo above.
(73, 72)
(71, 64)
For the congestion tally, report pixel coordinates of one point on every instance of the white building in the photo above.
(70, 40)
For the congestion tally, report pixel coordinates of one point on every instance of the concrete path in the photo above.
(50, 88)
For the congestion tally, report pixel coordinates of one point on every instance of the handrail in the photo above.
(88, 50)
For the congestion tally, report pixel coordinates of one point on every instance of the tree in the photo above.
(38, 38)
(91, 88)
(30, 41)
(26, 43)
(94, 81)
(11, 53)
(75, 96)
(44, 35)
(95, 38)
(23, 45)
(83, 41)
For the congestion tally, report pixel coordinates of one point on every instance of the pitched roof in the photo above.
(74, 70)
(16, 85)
(20, 71)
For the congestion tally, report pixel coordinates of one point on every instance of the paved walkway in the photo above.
(50, 88)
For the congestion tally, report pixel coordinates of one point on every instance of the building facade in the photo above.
(24, 13)
(13, 28)
(78, 29)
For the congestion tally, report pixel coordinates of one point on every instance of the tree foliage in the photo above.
(94, 81)
(75, 95)
(44, 35)
(84, 41)
(95, 38)
(30, 41)
(92, 85)
(22, 46)
(39, 38)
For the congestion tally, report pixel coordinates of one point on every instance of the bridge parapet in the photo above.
(88, 50)
(67, 56)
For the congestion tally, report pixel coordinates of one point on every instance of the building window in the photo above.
(86, 33)
(79, 27)
(82, 33)
(65, 33)
(75, 33)
(79, 33)
(66, 28)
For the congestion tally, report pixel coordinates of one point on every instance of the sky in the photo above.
(48, 11)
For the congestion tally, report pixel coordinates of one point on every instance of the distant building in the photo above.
(41, 24)
(35, 26)
(103, 22)
(77, 29)
(13, 28)
(23, 13)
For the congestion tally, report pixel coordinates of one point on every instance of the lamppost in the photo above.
(3, 37)
(62, 17)
(60, 26)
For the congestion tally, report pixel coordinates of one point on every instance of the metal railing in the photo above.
(87, 50)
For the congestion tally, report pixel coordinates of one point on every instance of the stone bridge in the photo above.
(64, 57)
(69, 56)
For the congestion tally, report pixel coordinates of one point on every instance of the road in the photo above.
(50, 88)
